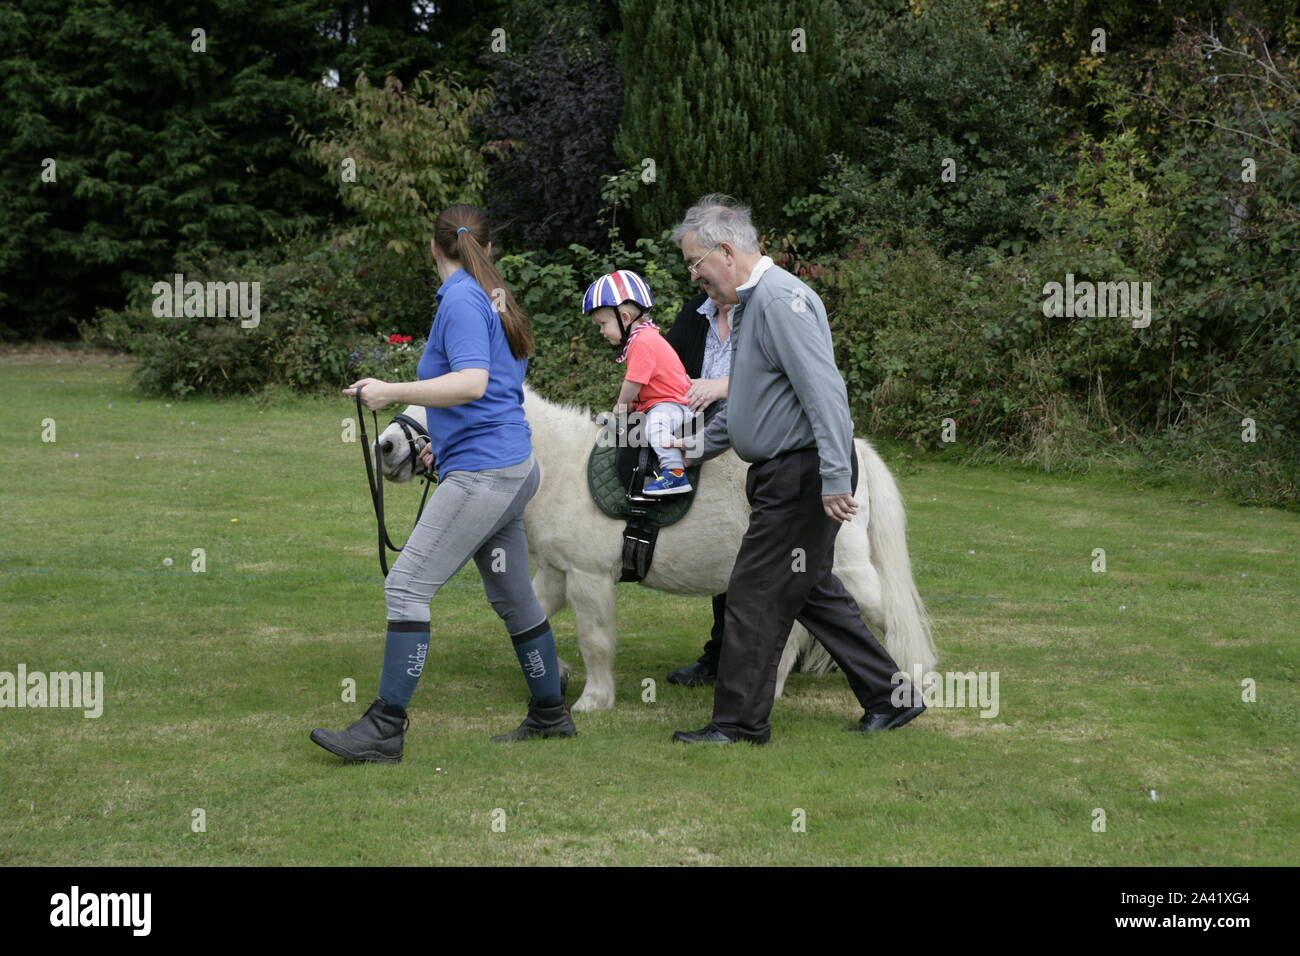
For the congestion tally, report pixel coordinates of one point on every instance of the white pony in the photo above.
(576, 550)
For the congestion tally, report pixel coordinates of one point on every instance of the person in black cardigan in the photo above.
(688, 337)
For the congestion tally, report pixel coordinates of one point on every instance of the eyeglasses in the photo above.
(690, 270)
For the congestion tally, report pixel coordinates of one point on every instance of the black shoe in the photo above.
(887, 719)
(694, 675)
(547, 717)
(375, 738)
(712, 735)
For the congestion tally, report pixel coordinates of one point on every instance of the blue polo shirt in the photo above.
(489, 432)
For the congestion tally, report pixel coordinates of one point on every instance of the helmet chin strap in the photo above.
(624, 329)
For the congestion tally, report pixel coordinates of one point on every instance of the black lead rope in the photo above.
(375, 479)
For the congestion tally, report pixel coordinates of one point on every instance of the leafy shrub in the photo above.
(743, 110)
(413, 153)
(925, 334)
(920, 340)
(918, 90)
(1224, 344)
(319, 300)
(329, 310)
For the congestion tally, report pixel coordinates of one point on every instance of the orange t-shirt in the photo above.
(653, 364)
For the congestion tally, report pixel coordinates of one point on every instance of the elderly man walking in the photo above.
(787, 414)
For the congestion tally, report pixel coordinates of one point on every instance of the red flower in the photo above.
(396, 339)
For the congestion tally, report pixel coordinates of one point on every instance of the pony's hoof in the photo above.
(591, 701)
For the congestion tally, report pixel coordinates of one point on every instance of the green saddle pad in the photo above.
(610, 494)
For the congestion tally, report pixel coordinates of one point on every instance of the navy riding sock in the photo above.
(404, 654)
(541, 666)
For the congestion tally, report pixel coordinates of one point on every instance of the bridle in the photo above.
(417, 437)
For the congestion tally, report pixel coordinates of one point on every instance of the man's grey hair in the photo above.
(719, 218)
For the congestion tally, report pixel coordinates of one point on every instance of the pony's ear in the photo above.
(602, 418)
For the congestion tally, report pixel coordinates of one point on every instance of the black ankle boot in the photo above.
(375, 738)
(547, 717)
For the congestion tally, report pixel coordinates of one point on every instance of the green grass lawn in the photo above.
(1112, 684)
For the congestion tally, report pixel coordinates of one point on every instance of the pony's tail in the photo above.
(908, 637)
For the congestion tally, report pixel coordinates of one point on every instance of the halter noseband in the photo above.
(417, 438)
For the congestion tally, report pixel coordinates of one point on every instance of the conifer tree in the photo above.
(725, 97)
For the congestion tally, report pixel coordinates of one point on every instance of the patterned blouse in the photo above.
(717, 354)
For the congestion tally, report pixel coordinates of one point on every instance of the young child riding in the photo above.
(656, 382)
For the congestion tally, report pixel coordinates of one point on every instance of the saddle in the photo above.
(616, 473)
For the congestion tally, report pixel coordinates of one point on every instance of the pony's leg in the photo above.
(548, 585)
(592, 597)
(863, 583)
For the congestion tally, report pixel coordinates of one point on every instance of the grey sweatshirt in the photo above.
(785, 391)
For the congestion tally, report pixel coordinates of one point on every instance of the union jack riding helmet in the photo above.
(622, 285)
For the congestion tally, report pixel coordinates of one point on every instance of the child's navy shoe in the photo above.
(671, 482)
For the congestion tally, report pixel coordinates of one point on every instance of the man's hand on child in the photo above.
(704, 392)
